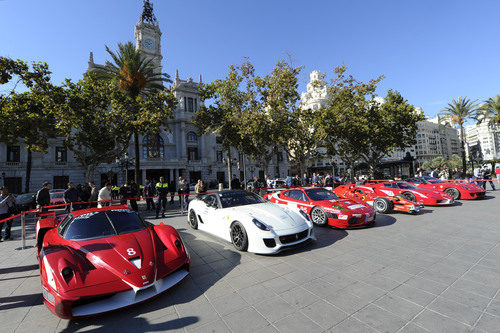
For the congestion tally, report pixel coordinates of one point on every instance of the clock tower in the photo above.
(147, 34)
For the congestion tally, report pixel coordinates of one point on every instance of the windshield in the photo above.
(234, 199)
(318, 194)
(23, 197)
(433, 180)
(405, 185)
(56, 195)
(103, 224)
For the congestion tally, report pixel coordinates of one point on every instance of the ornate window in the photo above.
(190, 104)
(61, 155)
(192, 137)
(153, 146)
(13, 153)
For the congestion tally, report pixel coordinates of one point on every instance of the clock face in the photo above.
(149, 44)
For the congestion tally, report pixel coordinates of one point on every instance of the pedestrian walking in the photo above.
(43, 196)
(104, 196)
(7, 204)
(162, 191)
(486, 175)
(149, 193)
(70, 197)
(185, 193)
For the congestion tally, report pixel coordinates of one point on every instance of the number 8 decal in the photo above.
(131, 251)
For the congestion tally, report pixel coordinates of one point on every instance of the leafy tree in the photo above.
(392, 124)
(457, 112)
(229, 101)
(343, 124)
(442, 163)
(138, 77)
(29, 116)
(96, 134)
(490, 111)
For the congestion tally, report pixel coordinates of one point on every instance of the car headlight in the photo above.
(304, 215)
(260, 225)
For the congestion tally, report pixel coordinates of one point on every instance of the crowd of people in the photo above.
(480, 175)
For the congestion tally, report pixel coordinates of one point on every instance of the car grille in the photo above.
(332, 216)
(353, 220)
(479, 194)
(293, 237)
(269, 242)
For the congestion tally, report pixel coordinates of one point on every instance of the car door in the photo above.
(296, 199)
(209, 214)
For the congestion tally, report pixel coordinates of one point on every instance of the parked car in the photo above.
(102, 259)
(26, 201)
(248, 222)
(453, 189)
(57, 198)
(410, 192)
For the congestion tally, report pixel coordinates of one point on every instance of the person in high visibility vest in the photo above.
(162, 190)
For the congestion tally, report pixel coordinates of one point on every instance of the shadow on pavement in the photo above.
(18, 269)
(133, 318)
(384, 221)
(12, 302)
(325, 236)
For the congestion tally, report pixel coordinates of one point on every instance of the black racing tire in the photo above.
(318, 216)
(383, 205)
(453, 192)
(239, 236)
(409, 196)
(193, 219)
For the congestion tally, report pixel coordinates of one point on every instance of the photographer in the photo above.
(7, 205)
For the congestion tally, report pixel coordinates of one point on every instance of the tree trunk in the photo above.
(28, 172)
(462, 139)
(229, 168)
(137, 168)
(89, 173)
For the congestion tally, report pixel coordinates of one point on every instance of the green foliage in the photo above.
(441, 163)
(490, 111)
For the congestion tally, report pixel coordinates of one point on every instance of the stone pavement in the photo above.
(437, 272)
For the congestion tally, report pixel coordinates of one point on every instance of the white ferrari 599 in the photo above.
(250, 223)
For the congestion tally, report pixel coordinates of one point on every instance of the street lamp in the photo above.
(124, 162)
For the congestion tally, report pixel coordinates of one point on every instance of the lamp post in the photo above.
(124, 162)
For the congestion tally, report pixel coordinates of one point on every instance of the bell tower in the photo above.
(147, 33)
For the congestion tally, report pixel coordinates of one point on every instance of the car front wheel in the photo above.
(318, 216)
(239, 236)
(382, 205)
(409, 196)
(193, 220)
(453, 192)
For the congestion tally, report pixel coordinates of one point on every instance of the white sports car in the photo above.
(250, 223)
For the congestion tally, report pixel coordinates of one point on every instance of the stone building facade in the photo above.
(483, 141)
(179, 150)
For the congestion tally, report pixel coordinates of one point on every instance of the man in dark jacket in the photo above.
(149, 193)
(70, 196)
(162, 191)
(133, 194)
(305, 180)
(43, 196)
(235, 183)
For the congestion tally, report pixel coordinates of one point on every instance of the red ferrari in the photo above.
(101, 259)
(381, 203)
(325, 207)
(453, 189)
(410, 192)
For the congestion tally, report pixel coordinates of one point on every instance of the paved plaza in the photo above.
(436, 272)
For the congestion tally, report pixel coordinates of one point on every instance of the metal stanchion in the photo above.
(181, 200)
(23, 222)
(70, 206)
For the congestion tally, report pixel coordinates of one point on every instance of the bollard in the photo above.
(23, 235)
(181, 200)
(70, 206)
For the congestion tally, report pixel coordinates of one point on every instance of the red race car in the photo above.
(102, 259)
(410, 192)
(325, 207)
(453, 189)
(381, 203)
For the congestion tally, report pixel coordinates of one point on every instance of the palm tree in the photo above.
(490, 110)
(457, 112)
(134, 74)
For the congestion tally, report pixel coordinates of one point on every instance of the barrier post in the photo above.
(23, 234)
(181, 200)
(70, 206)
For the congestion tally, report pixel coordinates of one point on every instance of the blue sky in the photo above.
(429, 50)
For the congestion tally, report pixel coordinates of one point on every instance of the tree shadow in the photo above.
(202, 277)
(18, 269)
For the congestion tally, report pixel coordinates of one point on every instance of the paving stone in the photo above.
(399, 306)
(474, 301)
(256, 294)
(347, 302)
(380, 319)
(274, 309)
(427, 285)
(297, 322)
(454, 310)
(415, 295)
(412, 328)
(215, 327)
(299, 297)
(488, 323)
(436, 322)
(245, 320)
(324, 314)
(229, 303)
(476, 287)
(352, 325)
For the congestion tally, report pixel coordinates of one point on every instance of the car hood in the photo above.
(348, 205)
(130, 257)
(280, 218)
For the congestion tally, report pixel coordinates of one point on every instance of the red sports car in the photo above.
(102, 259)
(453, 189)
(381, 203)
(410, 192)
(325, 207)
